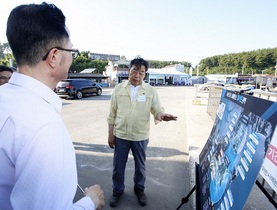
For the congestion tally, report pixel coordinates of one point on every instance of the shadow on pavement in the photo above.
(151, 151)
(167, 177)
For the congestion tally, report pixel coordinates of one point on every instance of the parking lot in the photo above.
(167, 154)
(171, 155)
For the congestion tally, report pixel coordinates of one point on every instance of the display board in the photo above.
(234, 152)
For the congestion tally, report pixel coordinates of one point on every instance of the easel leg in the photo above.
(266, 194)
(186, 199)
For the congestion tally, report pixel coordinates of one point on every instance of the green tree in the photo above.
(6, 55)
(250, 62)
(83, 61)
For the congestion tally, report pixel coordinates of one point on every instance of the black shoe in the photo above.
(141, 196)
(115, 199)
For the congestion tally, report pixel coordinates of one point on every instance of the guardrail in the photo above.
(272, 96)
(215, 94)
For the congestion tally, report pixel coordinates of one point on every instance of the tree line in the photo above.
(83, 61)
(262, 61)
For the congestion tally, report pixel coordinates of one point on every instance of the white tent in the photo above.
(166, 71)
(87, 71)
(167, 75)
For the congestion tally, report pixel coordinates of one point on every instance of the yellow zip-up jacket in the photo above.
(132, 120)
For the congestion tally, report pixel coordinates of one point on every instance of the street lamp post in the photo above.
(275, 69)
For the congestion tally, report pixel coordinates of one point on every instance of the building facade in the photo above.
(107, 57)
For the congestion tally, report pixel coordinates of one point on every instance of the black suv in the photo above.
(77, 88)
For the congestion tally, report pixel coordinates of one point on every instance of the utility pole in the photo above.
(275, 69)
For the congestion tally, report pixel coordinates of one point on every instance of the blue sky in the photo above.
(179, 30)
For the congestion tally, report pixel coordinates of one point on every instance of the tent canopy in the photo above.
(85, 71)
(166, 71)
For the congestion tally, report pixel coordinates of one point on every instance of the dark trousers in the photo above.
(121, 151)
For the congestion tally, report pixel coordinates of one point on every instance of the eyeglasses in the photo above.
(135, 72)
(74, 52)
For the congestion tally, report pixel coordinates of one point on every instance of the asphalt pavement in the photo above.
(171, 155)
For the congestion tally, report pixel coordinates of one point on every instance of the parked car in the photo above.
(77, 88)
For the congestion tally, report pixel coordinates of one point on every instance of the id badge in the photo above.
(142, 98)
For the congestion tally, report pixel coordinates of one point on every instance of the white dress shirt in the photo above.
(134, 92)
(37, 157)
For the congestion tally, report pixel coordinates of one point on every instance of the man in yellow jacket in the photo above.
(132, 102)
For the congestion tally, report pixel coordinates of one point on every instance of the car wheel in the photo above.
(99, 92)
(79, 95)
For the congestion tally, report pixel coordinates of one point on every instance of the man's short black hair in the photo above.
(138, 62)
(5, 68)
(33, 29)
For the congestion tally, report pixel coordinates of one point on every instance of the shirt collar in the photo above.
(143, 84)
(38, 88)
(135, 87)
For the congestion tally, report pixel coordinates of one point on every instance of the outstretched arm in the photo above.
(166, 117)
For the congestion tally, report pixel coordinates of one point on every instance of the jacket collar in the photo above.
(127, 83)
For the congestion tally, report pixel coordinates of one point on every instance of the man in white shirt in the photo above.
(37, 158)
